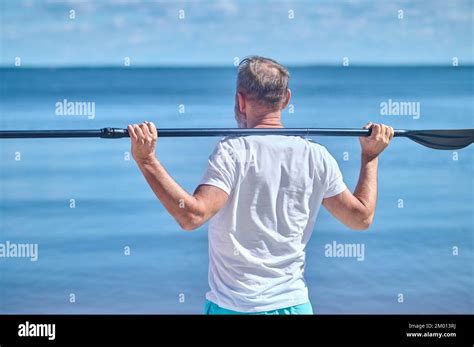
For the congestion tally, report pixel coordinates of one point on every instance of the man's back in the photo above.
(276, 185)
(263, 194)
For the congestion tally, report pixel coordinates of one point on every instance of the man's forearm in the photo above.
(357, 210)
(179, 203)
(366, 190)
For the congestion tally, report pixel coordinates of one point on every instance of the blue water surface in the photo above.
(408, 250)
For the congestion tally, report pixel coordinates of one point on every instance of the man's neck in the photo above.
(270, 120)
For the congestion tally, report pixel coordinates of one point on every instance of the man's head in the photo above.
(262, 91)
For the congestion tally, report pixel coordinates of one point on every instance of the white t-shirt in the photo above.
(257, 240)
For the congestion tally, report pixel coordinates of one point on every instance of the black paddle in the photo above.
(437, 139)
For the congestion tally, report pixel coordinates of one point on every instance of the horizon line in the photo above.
(207, 66)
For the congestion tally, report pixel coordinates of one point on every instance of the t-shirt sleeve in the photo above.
(221, 168)
(334, 182)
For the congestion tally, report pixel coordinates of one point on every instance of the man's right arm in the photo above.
(357, 210)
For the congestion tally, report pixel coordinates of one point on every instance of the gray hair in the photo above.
(263, 80)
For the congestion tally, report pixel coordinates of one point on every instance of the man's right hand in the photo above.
(378, 140)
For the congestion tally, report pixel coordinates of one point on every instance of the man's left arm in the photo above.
(189, 210)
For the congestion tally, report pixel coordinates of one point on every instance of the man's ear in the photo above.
(287, 101)
(241, 100)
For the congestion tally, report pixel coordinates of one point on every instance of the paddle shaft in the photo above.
(113, 133)
(447, 139)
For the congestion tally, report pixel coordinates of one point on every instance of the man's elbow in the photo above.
(361, 226)
(363, 222)
(188, 225)
(190, 222)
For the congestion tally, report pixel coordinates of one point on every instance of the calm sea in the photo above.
(418, 255)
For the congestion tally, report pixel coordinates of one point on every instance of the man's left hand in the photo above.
(143, 138)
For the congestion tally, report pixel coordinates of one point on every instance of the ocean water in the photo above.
(408, 251)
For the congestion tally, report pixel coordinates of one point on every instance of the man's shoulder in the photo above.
(317, 147)
(230, 142)
(321, 153)
(229, 147)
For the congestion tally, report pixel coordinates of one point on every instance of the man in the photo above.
(263, 194)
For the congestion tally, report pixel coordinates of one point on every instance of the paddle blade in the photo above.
(442, 139)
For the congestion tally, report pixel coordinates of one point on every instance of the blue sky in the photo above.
(215, 32)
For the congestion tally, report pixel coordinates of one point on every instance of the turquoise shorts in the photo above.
(306, 308)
